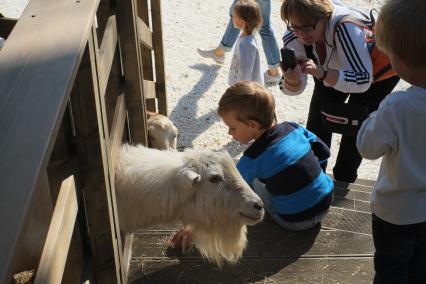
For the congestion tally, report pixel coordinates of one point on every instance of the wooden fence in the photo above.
(76, 79)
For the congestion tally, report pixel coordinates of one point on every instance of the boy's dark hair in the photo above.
(249, 101)
(249, 11)
(400, 30)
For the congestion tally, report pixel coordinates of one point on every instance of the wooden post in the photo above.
(146, 53)
(157, 29)
(93, 163)
(131, 60)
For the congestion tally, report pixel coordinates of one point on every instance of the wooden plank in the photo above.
(160, 76)
(55, 251)
(127, 254)
(131, 60)
(143, 12)
(348, 221)
(144, 34)
(34, 230)
(37, 70)
(258, 270)
(117, 130)
(267, 243)
(149, 89)
(93, 162)
(350, 186)
(110, 172)
(352, 194)
(106, 53)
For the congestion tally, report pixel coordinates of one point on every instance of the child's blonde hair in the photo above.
(306, 10)
(249, 101)
(401, 30)
(249, 12)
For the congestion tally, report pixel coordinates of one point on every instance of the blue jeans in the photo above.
(266, 197)
(400, 255)
(269, 42)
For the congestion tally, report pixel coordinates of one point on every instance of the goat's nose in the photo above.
(258, 205)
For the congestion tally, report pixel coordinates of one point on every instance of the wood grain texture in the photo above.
(55, 251)
(37, 70)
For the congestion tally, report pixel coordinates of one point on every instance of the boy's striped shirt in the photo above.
(287, 160)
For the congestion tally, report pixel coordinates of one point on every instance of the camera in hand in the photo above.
(288, 58)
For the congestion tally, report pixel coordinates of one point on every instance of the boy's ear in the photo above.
(254, 124)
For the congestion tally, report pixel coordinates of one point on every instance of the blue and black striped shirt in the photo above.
(287, 158)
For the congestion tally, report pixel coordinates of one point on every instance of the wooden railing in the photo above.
(76, 78)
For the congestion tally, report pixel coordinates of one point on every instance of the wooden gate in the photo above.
(76, 78)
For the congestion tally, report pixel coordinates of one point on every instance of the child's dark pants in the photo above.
(400, 255)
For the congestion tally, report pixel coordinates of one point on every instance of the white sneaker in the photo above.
(271, 80)
(210, 54)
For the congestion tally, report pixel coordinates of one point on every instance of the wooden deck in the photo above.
(341, 251)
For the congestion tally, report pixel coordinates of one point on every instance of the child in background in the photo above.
(245, 64)
(283, 163)
(396, 131)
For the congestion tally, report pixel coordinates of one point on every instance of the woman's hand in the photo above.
(309, 67)
(292, 76)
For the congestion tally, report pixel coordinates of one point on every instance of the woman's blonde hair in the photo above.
(249, 101)
(306, 10)
(249, 12)
(401, 30)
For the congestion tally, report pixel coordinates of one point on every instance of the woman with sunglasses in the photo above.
(338, 59)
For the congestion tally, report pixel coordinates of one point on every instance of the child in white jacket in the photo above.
(396, 132)
(245, 65)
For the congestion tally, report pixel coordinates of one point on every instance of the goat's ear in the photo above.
(187, 177)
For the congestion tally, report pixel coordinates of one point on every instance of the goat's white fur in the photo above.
(162, 133)
(202, 189)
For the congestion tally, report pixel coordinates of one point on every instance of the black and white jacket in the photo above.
(346, 52)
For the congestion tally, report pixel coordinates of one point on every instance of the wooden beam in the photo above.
(145, 35)
(149, 89)
(144, 13)
(160, 77)
(38, 66)
(93, 162)
(55, 251)
(106, 53)
(117, 129)
(131, 60)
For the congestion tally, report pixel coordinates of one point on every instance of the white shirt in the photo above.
(397, 131)
(245, 63)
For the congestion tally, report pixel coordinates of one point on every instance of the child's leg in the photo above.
(260, 190)
(230, 36)
(394, 248)
(417, 265)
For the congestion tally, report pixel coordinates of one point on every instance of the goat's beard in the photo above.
(219, 242)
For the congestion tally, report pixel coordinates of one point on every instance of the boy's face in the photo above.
(240, 131)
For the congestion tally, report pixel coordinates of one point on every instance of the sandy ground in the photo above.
(195, 84)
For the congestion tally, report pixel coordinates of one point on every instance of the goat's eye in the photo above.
(215, 178)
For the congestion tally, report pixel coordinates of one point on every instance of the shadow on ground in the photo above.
(260, 260)
(184, 115)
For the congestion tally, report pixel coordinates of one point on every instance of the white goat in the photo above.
(203, 190)
(162, 133)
